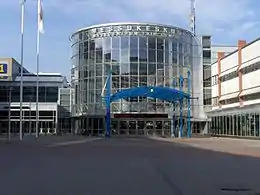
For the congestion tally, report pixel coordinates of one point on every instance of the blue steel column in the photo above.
(107, 98)
(173, 119)
(189, 107)
(181, 105)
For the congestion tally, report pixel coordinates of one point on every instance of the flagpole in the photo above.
(21, 71)
(37, 71)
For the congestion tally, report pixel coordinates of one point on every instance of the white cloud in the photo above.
(212, 15)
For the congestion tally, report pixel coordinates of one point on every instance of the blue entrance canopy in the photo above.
(162, 93)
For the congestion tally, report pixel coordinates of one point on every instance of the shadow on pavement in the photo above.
(125, 166)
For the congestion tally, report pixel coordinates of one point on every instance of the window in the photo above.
(214, 101)
(251, 96)
(229, 101)
(251, 68)
(214, 80)
(229, 76)
(206, 53)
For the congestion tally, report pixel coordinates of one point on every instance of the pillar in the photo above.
(181, 107)
(173, 119)
(240, 45)
(181, 119)
(108, 101)
(189, 107)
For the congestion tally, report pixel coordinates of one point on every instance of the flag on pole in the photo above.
(40, 17)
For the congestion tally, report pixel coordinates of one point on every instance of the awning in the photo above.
(250, 91)
(228, 96)
(247, 63)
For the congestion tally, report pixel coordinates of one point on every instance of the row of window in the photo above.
(131, 42)
(234, 74)
(46, 94)
(133, 69)
(238, 124)
(236, 99)
(124, 56)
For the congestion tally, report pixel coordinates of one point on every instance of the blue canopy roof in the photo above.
(163, 93)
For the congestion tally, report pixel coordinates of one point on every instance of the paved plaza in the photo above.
(96, 166)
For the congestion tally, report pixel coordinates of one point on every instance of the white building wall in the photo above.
(251, 79)
(250, 54)
(214, 69)
(197, 82)
(230, 86)
(251, 51)
(229, 61)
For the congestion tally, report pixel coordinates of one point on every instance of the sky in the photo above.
(226, 20)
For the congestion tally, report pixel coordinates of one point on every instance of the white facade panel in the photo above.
(230, 86)
(214, 69)
(251, 80)
(229, 96)
(214, 91)
(251, 51)
(230, 106)
(249, 62)
(41, 106)
(251, 102)
(229, 62)
(250, 91)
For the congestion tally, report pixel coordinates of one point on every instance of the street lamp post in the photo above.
(9, 112)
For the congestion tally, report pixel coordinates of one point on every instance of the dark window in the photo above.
(133, 55)
(152, 55)
(151, 42)
(51, 94)
(251, 68)
(142, 55)
(160, 56)
(160, 44)
(133, 42)
(229, 101)
(115, 42)
(229, 76)
(206, 54)
(124, 42)
(143, 42)
(251, 96)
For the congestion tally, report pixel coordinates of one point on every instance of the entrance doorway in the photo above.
(140, 127)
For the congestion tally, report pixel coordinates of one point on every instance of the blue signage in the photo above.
(3, 68)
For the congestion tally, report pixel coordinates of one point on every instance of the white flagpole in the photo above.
(21, 72)
(37, 69)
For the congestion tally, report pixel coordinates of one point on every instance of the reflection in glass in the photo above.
(160, 44)
(133, 42)
(135, 61)
(151, 42)
(124, 55)
(107, 43)
(133, 55)
(98, 44)
(143, 43)
(115, 42)
(124, 69)
(143, 55)
(152, 55)
(115, 55)
(124, 42)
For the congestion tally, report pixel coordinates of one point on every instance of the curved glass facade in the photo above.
(139, 54)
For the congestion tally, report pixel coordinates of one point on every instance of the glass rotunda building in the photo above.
(138, 54)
